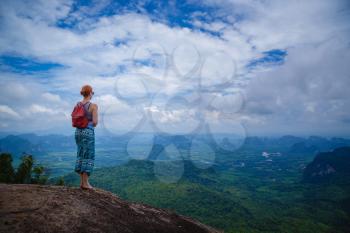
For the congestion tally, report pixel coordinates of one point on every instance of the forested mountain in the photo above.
(331, 166)
(261, 196)
(17, 145)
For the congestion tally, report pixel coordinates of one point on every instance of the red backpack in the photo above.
(79, 119)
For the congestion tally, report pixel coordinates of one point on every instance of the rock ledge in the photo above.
(47, 208)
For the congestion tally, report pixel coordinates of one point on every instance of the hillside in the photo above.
(17, 145)
(259, 197)
(43, 208)
(329, 167)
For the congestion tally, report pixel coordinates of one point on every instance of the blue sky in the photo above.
(244, 67)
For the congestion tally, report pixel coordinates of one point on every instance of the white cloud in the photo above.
(314, 34)
(306, 93)
(36, 108)
(170, 116)
(51, 97)
(8, 112)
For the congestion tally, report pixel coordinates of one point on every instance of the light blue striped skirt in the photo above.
(85, 140)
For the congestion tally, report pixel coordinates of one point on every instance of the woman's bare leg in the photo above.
(87, 181)
(84, 180)
(81, 179)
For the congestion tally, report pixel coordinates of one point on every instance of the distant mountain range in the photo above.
(331, 166)
(17, 145)
(34, 144)
(292, 144)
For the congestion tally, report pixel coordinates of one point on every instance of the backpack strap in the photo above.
(85, 104)
(89, 104)
(80, 103)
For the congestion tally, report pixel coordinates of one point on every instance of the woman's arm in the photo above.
(94, 115)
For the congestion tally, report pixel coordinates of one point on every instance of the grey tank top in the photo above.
(88, 114)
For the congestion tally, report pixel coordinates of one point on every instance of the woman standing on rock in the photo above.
(85, 136)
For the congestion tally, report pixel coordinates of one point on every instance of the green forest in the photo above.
(259, 197)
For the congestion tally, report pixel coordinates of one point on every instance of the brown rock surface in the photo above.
(44, 208)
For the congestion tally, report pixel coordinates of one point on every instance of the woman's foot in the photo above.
(88, 186)
(85, 182)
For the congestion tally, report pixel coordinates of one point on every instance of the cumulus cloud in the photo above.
(130, 56)
(6, 111)
(51, 97)
(307, 93)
